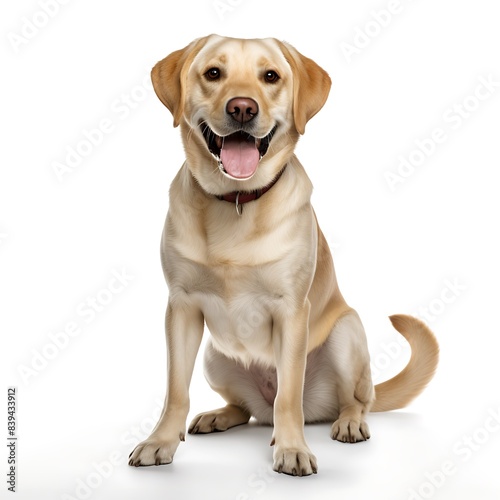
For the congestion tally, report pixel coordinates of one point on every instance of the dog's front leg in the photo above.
(184, 330)
(291, 453)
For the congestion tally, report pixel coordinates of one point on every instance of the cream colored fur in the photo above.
(284, 347)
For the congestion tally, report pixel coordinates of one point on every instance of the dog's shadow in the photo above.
(246, 450)
(255, 435)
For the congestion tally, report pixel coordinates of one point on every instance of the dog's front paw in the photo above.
(350, 431)
(154, 451)
(294, 461)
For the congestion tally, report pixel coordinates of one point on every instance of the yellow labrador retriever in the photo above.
(242, 252)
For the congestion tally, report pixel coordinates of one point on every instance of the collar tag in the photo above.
(239, 198)
(239, 207)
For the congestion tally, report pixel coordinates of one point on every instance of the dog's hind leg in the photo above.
(240, 389)
(351, 364)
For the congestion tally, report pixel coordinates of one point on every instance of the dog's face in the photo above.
(241, 105)
(239, 96)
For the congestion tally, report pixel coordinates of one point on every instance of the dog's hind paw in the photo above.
(350, 431)
(218, 420)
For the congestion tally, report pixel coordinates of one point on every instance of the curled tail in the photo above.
(408, 384)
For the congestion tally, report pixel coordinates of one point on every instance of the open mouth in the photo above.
(239, 153)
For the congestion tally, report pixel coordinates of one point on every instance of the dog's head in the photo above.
(241, 105)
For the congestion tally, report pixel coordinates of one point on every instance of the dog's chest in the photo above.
(238, 306)
(240, 277)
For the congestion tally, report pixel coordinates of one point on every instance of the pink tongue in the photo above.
(239, 157)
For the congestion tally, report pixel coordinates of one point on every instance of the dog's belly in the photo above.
(320, 402)
(255, 386)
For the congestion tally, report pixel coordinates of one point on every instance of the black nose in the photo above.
(242, 109)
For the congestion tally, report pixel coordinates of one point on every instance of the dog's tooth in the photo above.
(257, 142)
(218, 141)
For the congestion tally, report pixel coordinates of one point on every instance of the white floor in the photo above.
(410, 456)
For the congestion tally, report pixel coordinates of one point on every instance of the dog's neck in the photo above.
(239, 198)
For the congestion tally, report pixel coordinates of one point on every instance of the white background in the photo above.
(435, 235)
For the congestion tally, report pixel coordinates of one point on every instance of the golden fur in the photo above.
(284, 347)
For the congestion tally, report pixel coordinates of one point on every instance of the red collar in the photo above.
(241, 197)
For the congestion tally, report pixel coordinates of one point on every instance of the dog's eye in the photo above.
(271, 76)
(213, 74)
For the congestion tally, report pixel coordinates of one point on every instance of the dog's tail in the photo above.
(400, 390)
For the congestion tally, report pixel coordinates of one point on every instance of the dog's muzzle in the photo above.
(239, 153)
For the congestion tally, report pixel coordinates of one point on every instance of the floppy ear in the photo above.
(311, 86)
(170, 74)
